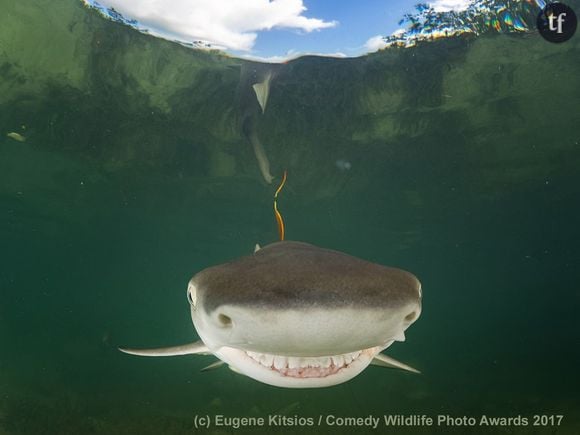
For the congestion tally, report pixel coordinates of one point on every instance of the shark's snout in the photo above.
(304, 347)
(308, 332)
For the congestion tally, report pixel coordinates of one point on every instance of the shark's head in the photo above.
(295, 315)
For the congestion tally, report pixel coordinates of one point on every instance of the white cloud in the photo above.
(228, 24)
(450, 5)
(375, 43)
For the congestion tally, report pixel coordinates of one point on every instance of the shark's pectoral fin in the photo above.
(257, 248)
(382, 360)
(213, 366)
(186, 349)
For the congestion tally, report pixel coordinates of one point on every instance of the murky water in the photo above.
(456, 160)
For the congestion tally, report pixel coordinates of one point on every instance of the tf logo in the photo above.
(557, 22)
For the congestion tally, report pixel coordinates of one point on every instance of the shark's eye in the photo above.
(191, 294)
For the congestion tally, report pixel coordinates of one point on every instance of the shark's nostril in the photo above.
(411, 316)
(224, 320)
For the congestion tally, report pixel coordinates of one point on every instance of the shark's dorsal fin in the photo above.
(382, 360)
(186, 349)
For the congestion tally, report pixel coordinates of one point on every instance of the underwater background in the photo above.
(126, 166)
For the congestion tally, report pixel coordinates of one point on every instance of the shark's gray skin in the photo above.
(295, 315)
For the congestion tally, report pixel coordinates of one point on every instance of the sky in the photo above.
(275, 30)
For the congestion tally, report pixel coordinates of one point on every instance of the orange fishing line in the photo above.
(279, 220)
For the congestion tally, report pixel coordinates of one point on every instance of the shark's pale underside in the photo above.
(295, 315)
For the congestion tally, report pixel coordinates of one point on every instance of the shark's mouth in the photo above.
(310, 367)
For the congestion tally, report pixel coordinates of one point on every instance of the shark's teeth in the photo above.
(338, 360)
(293, 362)
(304, 366)
(266, 360)
(280, 362)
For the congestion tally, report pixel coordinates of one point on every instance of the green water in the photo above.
(136, 173)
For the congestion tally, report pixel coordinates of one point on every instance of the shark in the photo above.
(295, 315)
(254, 86)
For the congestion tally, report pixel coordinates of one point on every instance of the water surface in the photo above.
(137, 172)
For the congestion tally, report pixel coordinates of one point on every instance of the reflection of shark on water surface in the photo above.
(262, 90)
(295, 315)
(258, 91)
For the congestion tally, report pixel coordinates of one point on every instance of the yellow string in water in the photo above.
(279, 219)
